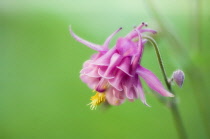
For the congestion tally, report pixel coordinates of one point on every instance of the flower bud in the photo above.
(178, 77)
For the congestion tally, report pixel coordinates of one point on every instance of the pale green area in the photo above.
(41, 95)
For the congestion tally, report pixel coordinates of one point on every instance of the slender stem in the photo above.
(174, 109)
(177, 119)
(196, 78)
(159, 59)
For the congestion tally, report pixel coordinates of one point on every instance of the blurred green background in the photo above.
(42, 96)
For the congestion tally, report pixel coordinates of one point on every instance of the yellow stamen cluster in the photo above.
(96, 100)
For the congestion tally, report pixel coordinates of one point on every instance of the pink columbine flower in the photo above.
(115, 74)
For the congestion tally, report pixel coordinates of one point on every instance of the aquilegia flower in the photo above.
(114, 74)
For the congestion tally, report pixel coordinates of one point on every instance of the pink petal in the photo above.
(116, 82)
(129, 89)
(115, 60)
(96, 56)
(152, 81)
(87, 43)
(90, 69)
(126, 47)
(87, 63)
(108, 72)
(93, 73)
(104, 60)
(111, 99)
(85, 70)
(129, 92)
(118, 94)
(125, 66)
(127, 82)
(138, 88)
(90, 81)
(102, 74)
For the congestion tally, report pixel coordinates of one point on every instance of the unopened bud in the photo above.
(178, 77)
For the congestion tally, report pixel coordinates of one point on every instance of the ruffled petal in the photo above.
(116, 82)
(129, 92)
(87, 63)
(102, 74)
(118, 94)
(95, 56)
(112, 99)
(90, 81)
(93, 73)
(87, 43)
(126, 47)
(128, 87)
(90, 69)
(152, 81)
(139, 90)
(104, 60)
(115, 60)
(125, 66)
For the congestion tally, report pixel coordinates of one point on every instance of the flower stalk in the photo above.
(151, 40)
(172, 102)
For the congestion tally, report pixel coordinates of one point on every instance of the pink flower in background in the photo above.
(115, 74)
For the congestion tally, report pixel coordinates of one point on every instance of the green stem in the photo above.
(177, 119)
(159, 59)
(174, 109)
(196, 78)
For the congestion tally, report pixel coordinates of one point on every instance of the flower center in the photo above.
(96, 100)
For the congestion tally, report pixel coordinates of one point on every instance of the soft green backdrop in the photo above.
(41, 95)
